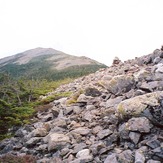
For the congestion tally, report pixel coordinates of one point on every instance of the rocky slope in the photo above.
(113, 116)
(47, 63)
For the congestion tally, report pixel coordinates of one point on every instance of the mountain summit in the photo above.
(47, 63)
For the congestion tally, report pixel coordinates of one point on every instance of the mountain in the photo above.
(112, 116)
(47, 63)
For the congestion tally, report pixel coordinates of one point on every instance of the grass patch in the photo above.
(74, 97)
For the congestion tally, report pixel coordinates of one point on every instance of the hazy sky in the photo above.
(99, 29)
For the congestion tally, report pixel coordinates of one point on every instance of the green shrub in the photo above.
(19, 99)
(53, 97)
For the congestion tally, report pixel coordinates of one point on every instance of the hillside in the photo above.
(112, 116)
(47, 63)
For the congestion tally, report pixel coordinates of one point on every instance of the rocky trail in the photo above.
(113, 116)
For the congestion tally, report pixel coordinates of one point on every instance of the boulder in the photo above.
(114, 102)
(79, 147)
(112, 158)
(157, 60)
(104, 133)
(139, 157)
(123, 131)
(21, 132)
(92, 92)
(39, 132)
(55, 111)
(88, 116)
(47, 117)
(143, 75)
(134, 136)
(141, 124)
(83, 153)
(119, 84)
(81, 131)
(158, 152)
(83, 156)
(151, 86)
(59, 122)
(33, 141)
(126, 157)
(153, 143)
(96, 147)
(154, 114)
(159, 68)
(136, 105)
(57, 141)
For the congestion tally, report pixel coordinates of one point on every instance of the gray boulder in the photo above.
(136, 105)
(119, 84)
(139, 157)
(141, 124)
(126, 157)
(112, 158)
(57, 141)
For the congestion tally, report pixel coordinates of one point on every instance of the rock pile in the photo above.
(113, 116)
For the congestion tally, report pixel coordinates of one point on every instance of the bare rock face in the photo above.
(116, 117)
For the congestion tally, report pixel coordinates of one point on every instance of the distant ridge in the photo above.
(47, 63)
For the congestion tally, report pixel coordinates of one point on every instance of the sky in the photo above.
(98, 29)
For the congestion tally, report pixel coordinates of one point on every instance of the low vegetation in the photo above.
(19, 99)
(22, 85)
(74, 97)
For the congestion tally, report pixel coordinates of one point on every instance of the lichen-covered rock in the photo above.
(136, 105)
(143, 75)
(119, 84)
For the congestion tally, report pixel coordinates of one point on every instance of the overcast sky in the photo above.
(99, 29)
